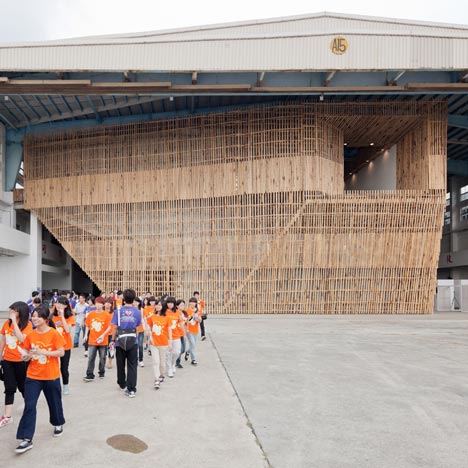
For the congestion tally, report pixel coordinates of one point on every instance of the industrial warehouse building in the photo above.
(307, 164)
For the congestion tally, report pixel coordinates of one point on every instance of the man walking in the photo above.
(127, 319)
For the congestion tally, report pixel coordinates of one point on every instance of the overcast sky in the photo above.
(30, 20)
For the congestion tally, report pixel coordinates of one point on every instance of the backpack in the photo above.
(127, 336)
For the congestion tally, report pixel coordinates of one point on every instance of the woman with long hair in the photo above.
(12, 335)
(180, 304)
(193, 328)
(175, 322)
(43, 347)
(160, 341)
(64, 321)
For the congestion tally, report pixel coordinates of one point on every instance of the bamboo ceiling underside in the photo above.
(249, 207)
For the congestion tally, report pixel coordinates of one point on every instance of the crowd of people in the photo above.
(37, 339)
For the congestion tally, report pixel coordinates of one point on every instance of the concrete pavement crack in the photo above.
(249, 422)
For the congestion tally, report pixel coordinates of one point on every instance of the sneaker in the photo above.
(203, 338)
(149, 352)
(157, 384)
(5, 420)
(194, 363)
(142, 364)
(66, 390)
(161, 378)
(58, 431)
(186, 356)
(179, 366)
(24, 446)
(101, 377)
(131, 394)
(88, 379)
(170, 374)
(86, 354)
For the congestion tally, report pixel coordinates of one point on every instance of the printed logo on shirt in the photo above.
(96, 325)
(11, 341)
(41, 359)
(157, 330)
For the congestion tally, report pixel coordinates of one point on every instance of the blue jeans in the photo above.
(53, 395)
(182, 349)
(76, 339)
(93, 350)
(141, 337)
(192, 338)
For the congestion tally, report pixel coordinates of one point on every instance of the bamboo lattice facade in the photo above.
(249, 206)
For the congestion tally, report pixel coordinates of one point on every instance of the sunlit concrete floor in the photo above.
(282, 391)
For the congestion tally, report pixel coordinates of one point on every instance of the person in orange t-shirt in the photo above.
(160, 341)
(148, 310)
(44, 346)
(12, 335)
(194, 319)
(97, 332)
(64, 321)
(176, 324)
(201, 306)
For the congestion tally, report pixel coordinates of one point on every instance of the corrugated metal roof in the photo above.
(292, 24)
(295, 43)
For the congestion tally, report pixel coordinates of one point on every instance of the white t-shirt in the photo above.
(79, 312)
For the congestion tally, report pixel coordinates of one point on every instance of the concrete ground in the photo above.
(283, 391)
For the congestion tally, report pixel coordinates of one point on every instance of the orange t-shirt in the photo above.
(66, 336)
(193, 327)
(175, 323)
(10, 352)
(97, 322)
(44, 367)
(159, 326)
(147, 311)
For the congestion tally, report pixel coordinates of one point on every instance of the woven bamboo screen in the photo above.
(249, 207)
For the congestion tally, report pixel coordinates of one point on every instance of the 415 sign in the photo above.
(339, 45)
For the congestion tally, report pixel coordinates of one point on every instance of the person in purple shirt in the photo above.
(30, 301)
(127, 360)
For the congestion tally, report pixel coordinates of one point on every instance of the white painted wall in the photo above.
(379, 174)
(21, 274)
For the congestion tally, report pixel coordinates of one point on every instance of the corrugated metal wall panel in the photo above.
(298, 53)
(317, 24)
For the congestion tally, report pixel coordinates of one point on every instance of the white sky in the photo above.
(24, 20)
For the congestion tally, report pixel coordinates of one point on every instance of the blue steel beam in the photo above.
(18, 108)
(31, 108)
(78, 103)
(54, 105)
(13, 157)
(459, 121)
(93, 107)
(43, 106)
(8, 122)
(65, 103)
(9, 112)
